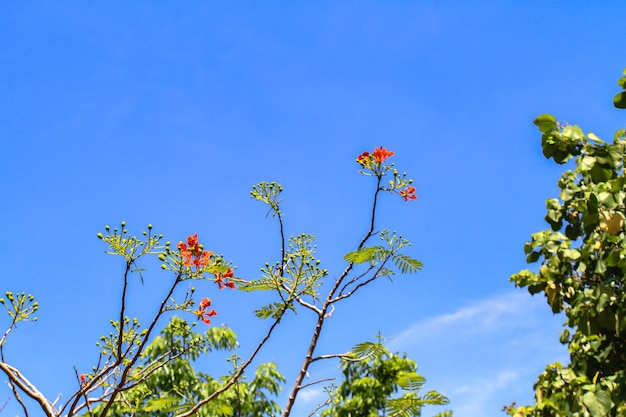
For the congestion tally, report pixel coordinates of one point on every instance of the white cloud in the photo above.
(485, 354)
(512, 309)
(473, 398)
(310, 395)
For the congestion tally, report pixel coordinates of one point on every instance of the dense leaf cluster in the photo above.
(582, 272)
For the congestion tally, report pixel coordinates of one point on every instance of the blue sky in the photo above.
(155, 112)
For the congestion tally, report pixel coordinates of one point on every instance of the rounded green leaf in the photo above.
(545, 122)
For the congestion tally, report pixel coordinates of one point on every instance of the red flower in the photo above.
(381, 154)
(219, 279)
(202, 312)
(408, 194)
(192, 241)
(204, 303)
(83, 378)
(193, 255)
(364, 158)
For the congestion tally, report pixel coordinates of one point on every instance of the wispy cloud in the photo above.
(516, 309)
(485, 354)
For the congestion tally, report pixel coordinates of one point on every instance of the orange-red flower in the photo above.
(202, 312)
(220, 279)
(83, 378)
(381, 154)
(364, 158)
(408, 194)
(193, 254)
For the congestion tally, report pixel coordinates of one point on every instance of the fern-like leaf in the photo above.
(166, 404)
(366, 350)
(272, 310)
(362, 255)
(407, 264)
(410, 381)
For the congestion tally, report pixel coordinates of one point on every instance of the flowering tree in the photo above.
(132, 358)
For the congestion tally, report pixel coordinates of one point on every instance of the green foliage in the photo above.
(166, 388)
(372, 377)
(296, 276)
(20, 307)
(268, 192)
(130, 247)
(375, 255)
(582, 272)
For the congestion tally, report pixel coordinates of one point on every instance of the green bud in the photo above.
(162, 257)
(107, 227)
(123, 224)
(150, 226)
(163, 266)
(100, 235)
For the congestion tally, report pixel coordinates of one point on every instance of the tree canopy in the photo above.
(582, 272)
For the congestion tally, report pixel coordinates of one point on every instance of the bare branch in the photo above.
(29, 389)
(319, 381)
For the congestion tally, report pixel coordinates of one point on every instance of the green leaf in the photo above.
(619, 101)
(592, 137)
(272, 310)
(367, 350)
(598, 403)
(574, 133)
(362, 255)
(407, 264)
(599, 174)
(587, 162)
(545, 123)
(411, 381)
(163, 404)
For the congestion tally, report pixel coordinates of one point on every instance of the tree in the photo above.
(371, 377)
(171, 388)
(582, 272)
(138, 373)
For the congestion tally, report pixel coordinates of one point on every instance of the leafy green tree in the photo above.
(173, 387)
(371, 378)
(582, 272)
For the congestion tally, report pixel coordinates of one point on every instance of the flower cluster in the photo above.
(193, 254)
(202, 312)
(373, 162)
(379, 156)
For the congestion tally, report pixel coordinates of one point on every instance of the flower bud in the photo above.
(100, 235)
